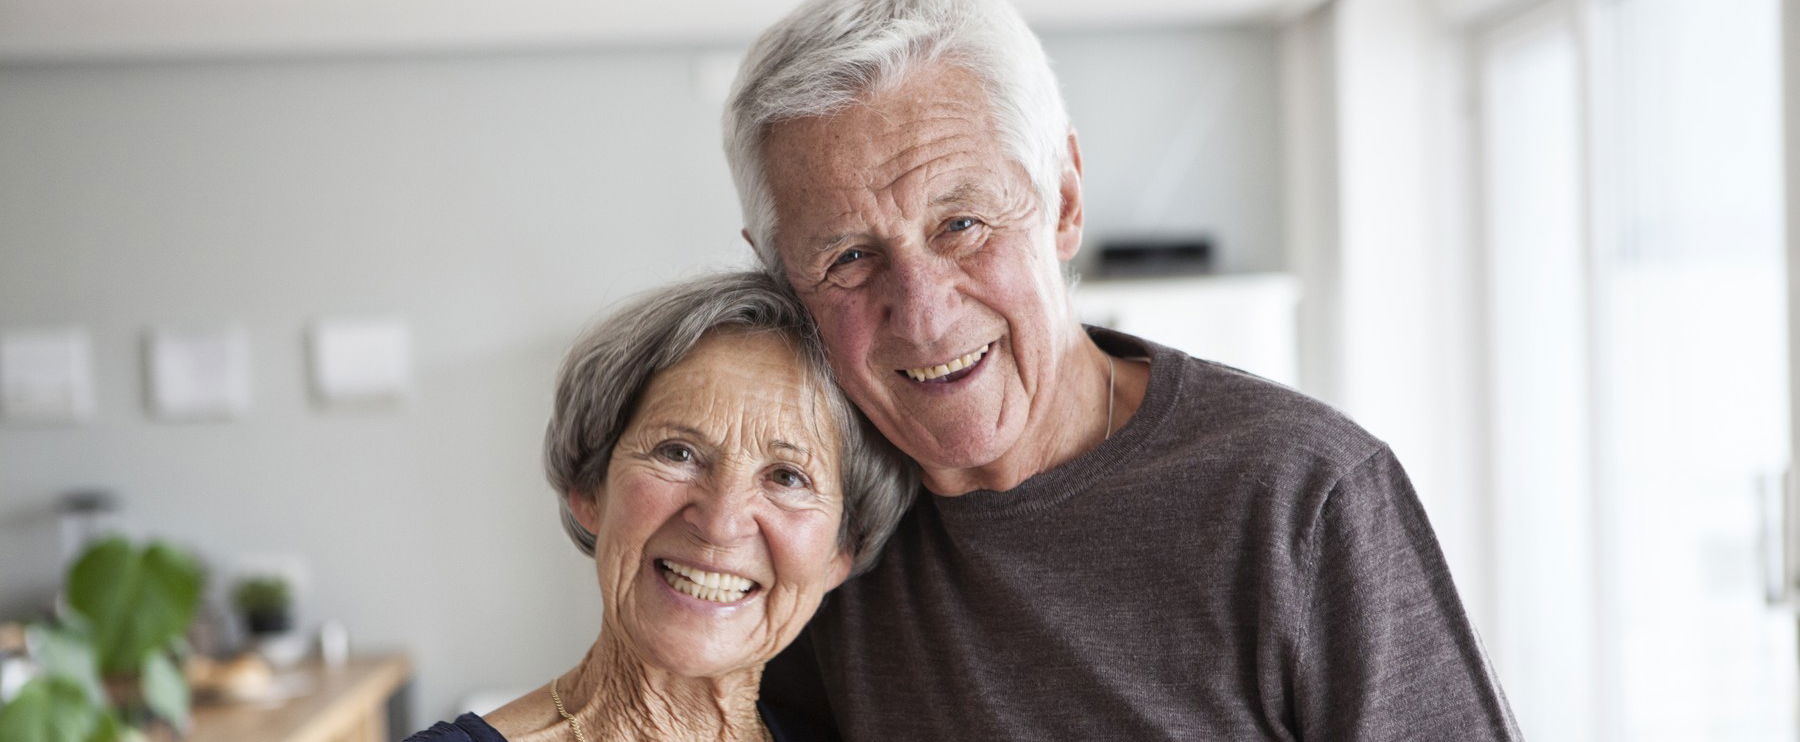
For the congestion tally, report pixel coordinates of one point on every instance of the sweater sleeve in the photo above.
(793, 687)
(1384, 649)
(466, 728)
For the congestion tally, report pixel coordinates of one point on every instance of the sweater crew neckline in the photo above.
(1048, 489)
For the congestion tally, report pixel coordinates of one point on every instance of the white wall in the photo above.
(1180, 134)
(497, 202)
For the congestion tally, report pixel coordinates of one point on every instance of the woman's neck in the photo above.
(616, 697)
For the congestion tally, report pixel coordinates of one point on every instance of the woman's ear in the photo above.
(841, 562)
(586, 508)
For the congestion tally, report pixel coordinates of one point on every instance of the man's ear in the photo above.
(1069, 219)
(586, 509)
(746, 233)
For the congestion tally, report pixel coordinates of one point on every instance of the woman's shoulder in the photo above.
(517, 719)
(526, 715)
(466, 728)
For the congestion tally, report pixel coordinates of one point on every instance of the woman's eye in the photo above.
(788, 478)
(849, 256)
(960, 224)
(676, 452)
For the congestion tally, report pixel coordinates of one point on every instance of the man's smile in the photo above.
(947, 371)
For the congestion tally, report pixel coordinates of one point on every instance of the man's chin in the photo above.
(956, 458)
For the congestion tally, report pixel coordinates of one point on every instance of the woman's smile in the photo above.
(721, 588)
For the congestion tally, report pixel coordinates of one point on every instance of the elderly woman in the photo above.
(722, 485)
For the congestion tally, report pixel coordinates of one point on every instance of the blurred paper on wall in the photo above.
(46, 376)
(361, 361)
(198, 374)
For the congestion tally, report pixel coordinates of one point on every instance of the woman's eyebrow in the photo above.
(686, 430)
(789, 446)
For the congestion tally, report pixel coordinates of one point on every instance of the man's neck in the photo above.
(1094, 398)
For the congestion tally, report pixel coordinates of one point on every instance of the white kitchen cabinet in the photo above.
(1249, 321)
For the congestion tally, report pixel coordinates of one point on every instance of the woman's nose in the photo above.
(722, 516)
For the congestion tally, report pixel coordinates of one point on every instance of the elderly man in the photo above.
(1120, 541)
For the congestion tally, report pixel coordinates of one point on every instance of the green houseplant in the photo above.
(265, 604)
(109, 662)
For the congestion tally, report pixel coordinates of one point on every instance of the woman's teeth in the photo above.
(716, 587)
(941, 370)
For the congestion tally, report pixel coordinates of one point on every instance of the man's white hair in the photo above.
(828, 54)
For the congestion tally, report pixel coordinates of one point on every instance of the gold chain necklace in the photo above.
(1112, 375)
(575, 724)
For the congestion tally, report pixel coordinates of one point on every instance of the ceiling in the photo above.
(100, 29)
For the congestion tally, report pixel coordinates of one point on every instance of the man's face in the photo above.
(922, 250)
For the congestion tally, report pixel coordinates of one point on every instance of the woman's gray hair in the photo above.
(610, 366)
(828, 54)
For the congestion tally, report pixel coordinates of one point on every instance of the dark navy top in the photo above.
(784, 727)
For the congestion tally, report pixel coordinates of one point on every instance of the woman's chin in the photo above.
(681, 635)
(698, 657)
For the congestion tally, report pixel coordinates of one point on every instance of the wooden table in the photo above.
(345, 704)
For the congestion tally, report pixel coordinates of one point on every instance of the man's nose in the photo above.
(921, 298)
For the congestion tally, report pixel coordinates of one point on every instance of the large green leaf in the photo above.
(110, 729)
(49, 709)
(65, 652)
(134, 601)
(165, 690)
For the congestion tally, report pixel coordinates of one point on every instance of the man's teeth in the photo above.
(928, 373)
(717, 587)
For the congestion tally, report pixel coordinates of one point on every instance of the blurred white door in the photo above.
(1540, 425)
(1631, 194)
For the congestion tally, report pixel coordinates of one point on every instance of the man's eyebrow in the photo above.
(964, 193)
(832, 242)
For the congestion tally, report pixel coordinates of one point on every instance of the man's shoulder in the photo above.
(1218, 408)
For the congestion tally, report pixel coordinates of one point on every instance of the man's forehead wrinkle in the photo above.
(910, 186)
(918, 109)
(934, 145)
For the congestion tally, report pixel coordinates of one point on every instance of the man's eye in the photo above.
(849, 256)
(960, 224)
(676, 452)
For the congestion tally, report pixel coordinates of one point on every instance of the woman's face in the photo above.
(717, 526)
